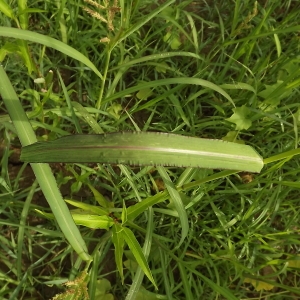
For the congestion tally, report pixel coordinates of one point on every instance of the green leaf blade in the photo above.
(137, 209)
(93, 221)
(6, 9)
(88, 207)
(176, 200)
(118, 241)
(146, 148)
(136, 250)
(49, 42)
(42, 172)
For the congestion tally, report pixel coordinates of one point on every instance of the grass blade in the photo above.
(118, 241)
(49, 42)
(139, 275)
(6, 9)
(136, 250)
(176, 200)
(144, 20)
(146, 58)
(93, 221)
(137, 209)
(42, 172)
(182, 80)
(21, 232)
(146, 148)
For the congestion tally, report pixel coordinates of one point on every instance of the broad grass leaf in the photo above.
(136, 250)
(146, 148)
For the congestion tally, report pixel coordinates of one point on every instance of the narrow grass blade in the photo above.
(42, 172)
(68, 100)
(260, 35)
(238, 86)
(137, 209)
(93, 221)
(144, 20)
(49, 42)
(89, 207)
(87, 117)
(118, 241)
(136, 250)
(219, 289)
(155, 57)
(179, 80)
(218, 175)
(130, 181)
(281, 156)
(139, 275)
(185, 282)
(146, 148)
(21, 233)
(100, 198)
(176, 200)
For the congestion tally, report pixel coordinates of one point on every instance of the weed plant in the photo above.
(243, 238)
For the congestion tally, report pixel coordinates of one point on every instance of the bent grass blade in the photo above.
(42, 172)
(49, 42)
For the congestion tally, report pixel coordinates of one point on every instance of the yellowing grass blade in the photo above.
(146, 148)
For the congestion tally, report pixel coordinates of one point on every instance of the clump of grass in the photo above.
(243, 237)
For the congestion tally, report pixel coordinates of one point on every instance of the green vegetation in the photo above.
(229, 71)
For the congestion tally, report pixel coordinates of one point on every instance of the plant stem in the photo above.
(98, 104)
